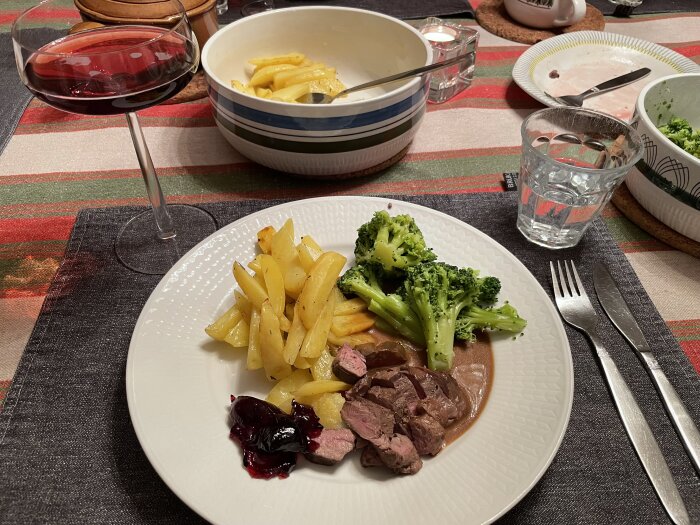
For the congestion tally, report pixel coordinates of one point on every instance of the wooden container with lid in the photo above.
(202, 14)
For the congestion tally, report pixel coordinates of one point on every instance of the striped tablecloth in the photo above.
(57, 163)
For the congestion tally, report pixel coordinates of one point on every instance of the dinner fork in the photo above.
(576, 309)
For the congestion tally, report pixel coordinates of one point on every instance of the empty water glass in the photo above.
(572, 161)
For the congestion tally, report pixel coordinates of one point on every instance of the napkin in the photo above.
(69, 454)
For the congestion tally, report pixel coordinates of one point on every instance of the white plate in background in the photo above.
(583, 59)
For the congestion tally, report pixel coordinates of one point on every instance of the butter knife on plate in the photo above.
(619, 313)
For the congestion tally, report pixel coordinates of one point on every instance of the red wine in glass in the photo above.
(112, 70)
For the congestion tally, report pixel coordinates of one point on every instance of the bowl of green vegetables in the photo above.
(666, 181)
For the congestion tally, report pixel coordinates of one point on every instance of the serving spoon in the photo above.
(323, 98)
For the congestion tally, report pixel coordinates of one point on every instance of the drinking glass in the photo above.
(572, 161)
(118, 69)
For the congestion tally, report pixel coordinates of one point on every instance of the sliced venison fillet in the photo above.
(349, 365)
(368, 420)
(427, 434)
(333, 446)
(387, 353)
(398, 453)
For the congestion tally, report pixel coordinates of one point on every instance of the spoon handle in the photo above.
(617, 82)
(411, 73)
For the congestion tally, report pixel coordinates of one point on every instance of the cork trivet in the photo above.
(630, 208)
(196, 89)
(492, 16)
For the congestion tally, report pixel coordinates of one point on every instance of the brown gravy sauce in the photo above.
(472, 369)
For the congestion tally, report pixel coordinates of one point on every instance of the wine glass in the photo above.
(118, 69)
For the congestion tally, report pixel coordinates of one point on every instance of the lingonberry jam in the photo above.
(270, 438)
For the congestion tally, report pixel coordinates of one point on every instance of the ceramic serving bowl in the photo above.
(666, 182)
(350, 136)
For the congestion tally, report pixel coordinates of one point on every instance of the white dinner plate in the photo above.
(179, 382)
(583, 59)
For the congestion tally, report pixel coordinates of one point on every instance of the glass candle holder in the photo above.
(450, 40)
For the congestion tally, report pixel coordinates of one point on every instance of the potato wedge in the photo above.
(353, 323)
(319, 285)
(263, 75)
(322, 386)
(272, 344)
(322, 367)
(350, 306)
(238, 335)
(253, 290)
(316, 337)
(243, 304)
(265, 238)
(289, 58)
(282, 245)
(281, 394)
(274, 283)
(353, 339)
(327, 407)
(254, 358)
(223, 324)
(290, 93)
(295, 338)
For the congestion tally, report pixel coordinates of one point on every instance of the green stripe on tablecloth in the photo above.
(241, 180)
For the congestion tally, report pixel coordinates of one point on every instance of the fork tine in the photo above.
(570, 279)
(555, 282)
(579, 284)
(564, 283)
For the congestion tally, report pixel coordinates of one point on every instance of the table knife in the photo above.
(619, 313)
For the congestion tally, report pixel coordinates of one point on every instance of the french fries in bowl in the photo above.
(259, 67)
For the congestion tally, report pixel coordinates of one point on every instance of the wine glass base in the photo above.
(139, 248)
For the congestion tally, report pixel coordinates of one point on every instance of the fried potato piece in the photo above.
(289, 58)
(223, 324)
(281, 394)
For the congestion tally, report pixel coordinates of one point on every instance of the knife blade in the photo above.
(619, 313)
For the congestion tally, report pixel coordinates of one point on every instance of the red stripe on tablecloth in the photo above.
(43, 228)
(46, 114)
(43, 14)
(692, 350)
(493, 91)
(688, 51)
(510, 53)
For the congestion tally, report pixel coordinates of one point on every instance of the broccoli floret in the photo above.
(505, 318)
(392, 243)
(681, 133)
(438, 292)
(489, 288)
(362, 280)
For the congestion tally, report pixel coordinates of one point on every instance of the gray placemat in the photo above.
(396, 8)
(68, 452)
(15, 96)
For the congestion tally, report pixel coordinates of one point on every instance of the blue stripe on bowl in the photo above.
(317, 124)
(321, 147)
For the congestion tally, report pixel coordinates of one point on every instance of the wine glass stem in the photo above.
(166, 229)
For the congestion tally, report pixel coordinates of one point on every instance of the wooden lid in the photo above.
(137, 10)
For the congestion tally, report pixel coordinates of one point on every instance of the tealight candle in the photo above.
(441, 35)
(450, 40)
